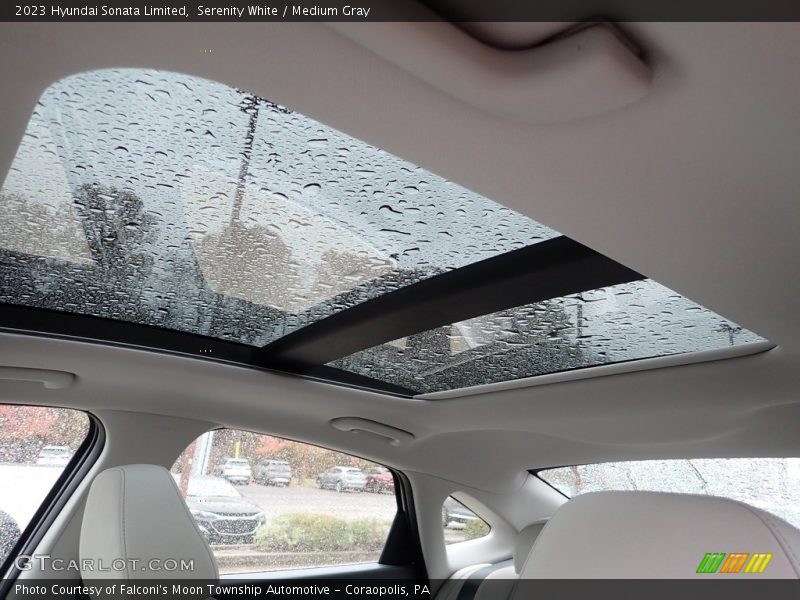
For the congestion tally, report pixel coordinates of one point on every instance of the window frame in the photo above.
(52, 505)
(478, 516)
(535, 472)
(402, 548)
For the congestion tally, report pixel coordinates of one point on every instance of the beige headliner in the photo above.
(697, 185)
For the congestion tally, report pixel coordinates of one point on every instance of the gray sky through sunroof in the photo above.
(187, 204)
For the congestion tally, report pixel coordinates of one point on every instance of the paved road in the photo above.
(347, 505)
(23, 488)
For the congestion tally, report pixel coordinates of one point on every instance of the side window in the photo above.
(771, 484)
(269, 504)
(36, 444)
(460, 523)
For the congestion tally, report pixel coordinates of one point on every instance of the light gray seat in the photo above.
(491, 582)
(136, 513)
(657, 535)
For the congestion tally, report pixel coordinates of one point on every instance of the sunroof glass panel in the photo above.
(173, 201)
(619, 323)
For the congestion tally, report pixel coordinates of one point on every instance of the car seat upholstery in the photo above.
(136, 513)
(636, 534)
(470, 583)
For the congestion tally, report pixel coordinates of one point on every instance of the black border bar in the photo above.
(25, 319)
(372, 585)
(462, 11)
(550, 269)
(52, 323)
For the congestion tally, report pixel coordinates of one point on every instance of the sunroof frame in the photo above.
(539, 272)
(553, 268)
(58, 324)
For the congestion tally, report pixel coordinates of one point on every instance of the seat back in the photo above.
(491, 581)
(631, 535)
(137, 526)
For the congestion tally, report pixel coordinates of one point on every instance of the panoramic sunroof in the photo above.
(173, 201)
(155, 199)
(635, 320)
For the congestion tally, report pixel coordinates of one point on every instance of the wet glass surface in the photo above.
(771, 484)
(173, 201)
(625, 322)
(36, 445)
(323, 508)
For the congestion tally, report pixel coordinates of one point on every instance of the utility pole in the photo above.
(187, 458)
(249, 106)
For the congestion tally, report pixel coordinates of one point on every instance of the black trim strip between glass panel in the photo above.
(549, 269)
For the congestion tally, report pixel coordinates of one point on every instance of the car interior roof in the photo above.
(694, 184)
(293, 257)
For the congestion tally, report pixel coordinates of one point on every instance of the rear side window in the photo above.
(771, 484)
(461, 523)
(270, 504)
(36, 445)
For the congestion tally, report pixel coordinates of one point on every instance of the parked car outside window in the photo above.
(9, 534)
(273, 527)
(379, 479)
(273, 472)
(342, 479)
(221, 513)
(54, 456)
(235, 470)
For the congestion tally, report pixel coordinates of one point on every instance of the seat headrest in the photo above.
(632, 535)
(524, 543)
(136, 513)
